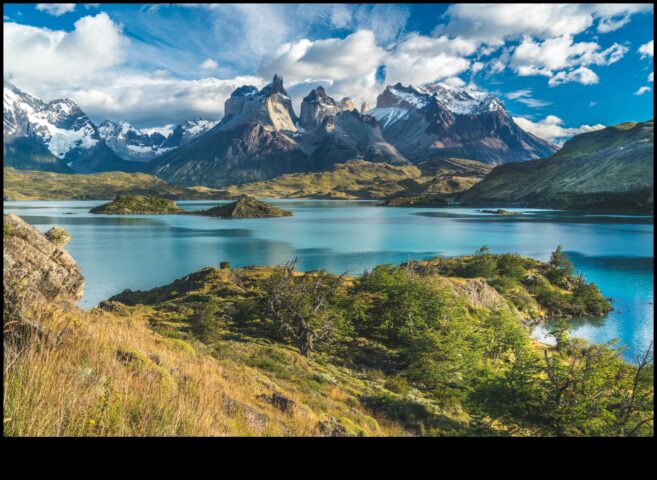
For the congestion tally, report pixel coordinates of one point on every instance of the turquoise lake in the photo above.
(140, 252)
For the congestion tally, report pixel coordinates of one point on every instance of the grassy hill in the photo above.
(430, 348)
(366, 180)
(38, 185)
(610, 168)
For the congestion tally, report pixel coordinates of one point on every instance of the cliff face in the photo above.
(35, 266)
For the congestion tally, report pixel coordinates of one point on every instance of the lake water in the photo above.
(145, 251)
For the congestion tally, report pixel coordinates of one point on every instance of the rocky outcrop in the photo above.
(138, 205)
(247, 207)
(477, 293)
(35, 268)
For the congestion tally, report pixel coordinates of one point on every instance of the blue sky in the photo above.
(560, 69)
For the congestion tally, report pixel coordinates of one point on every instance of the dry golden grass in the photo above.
(107, 375)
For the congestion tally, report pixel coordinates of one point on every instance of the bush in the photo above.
(397, 384)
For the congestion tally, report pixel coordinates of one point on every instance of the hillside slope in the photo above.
(610, 168)
(39, 185)
(428, 348)
(360, 179)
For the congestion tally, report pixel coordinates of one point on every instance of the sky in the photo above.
(560, 69)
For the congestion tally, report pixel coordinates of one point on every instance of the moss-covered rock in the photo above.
(58, 236)
(138, 205)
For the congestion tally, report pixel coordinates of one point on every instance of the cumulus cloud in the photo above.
(642, 90)
(209, 64)
(38, 57)
(551, 128)
(582, 75)
(651, 76)
(56, 9)
(495, 23)
(420, 59)
(647, 49)
(558, 54)
(86, 66)
(347, 67)
(147, 100)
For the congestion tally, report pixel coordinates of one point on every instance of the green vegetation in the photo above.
(360, 179)
(37, 185)
(434, 347)
(247, 207)
(606, 169)
(138, 205)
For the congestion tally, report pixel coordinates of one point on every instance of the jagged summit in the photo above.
(441, 120)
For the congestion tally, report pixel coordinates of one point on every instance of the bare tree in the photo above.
(299, 305)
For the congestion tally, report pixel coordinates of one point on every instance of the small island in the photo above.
(246, 207)
(138, 205)
(500, 211)
(421, 201)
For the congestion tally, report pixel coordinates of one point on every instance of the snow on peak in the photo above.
(60, 124)
(463, 100)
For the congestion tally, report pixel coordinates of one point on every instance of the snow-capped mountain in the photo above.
(61, 127)
(185, 132)
(441, 120)
(129, 142)
(260, 137)
(138, 145)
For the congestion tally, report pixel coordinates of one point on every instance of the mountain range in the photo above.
(260, 136)
(58, 136)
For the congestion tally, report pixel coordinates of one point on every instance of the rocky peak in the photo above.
(271, 105)
(276, 86)
(315, 108)
(318, 95)
(347, 104)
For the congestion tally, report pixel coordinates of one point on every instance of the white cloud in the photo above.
(525, 96)
(519, 93)
(551, 128)
(647, 49)
(209, 64)
(642, 90)
(56, 9)
(582, 75)
(420, 59)
(495, 23)
(38, 57)
(561, 53)
(146, 100)
(346, 67)
(651, 76)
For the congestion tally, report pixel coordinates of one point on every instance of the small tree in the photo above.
(560, 268)
(300, 306)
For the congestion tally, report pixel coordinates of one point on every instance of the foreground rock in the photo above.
(138, 205)
(247, 207)
(36, 268)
